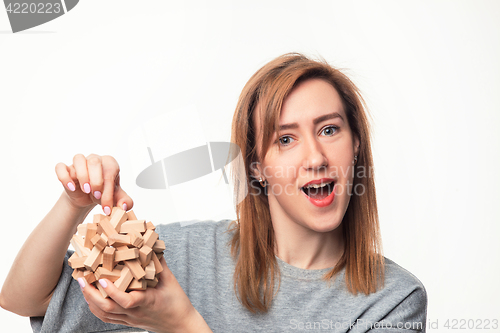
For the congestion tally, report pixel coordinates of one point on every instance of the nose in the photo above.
(314, 156)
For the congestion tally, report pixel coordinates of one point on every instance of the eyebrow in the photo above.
(315, 121)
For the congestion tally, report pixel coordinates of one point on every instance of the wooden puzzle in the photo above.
(120, 248)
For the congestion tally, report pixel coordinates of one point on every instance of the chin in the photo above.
(326, 226)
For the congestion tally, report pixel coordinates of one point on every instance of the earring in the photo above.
(355, 159)
(262, 183)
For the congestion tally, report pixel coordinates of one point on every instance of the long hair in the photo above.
(252, 245)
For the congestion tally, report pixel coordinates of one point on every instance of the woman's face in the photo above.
(317, 148)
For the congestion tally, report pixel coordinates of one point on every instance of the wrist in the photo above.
(194, 322)
(74, 210)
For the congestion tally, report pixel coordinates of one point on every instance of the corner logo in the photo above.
(28, 14)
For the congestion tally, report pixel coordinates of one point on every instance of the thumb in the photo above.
(122, 199)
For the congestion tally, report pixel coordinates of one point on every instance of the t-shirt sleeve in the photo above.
(406, 303)
(68, 311)
(409, 316)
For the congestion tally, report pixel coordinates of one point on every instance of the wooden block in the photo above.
(135, 268)
(91, 232)
(98, 242)
(108, 258)
(131, 225)
(138, 285)
(117, 240)
(159, 246)
(76, 262)
(136, 239)
(103, 273)
(77, 273)
(89, 276)
(99, 217)
(93, 259)
(118, 216)
(159, 255)
(150, 237)
(152, 283)
(104, 237)
(78, 244)
(107, 227)
(125, 278)
(158, 266)
(145, 255)
(101, 289)
(128, 254)
(150, 225)
(100, 230)
(131, 215)
(82, 229)
(150, 271)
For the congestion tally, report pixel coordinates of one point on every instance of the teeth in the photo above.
(317, 185)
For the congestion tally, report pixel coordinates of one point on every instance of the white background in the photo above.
(429, 70)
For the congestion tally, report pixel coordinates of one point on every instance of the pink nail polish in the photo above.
(124, 206)
(107, 210)
(86, 188)
(81, 283)
(97, 195)
(71, 187)
(103, 283)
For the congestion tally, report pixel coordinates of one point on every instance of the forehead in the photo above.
(310, 99)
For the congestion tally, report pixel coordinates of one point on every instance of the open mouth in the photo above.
(318, 191)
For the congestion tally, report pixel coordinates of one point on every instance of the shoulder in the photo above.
(194, 229)
(398, 279)
(402, 300)
(195, 236)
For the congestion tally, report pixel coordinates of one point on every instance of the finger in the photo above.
(110, 170)
(123, 199)
(63, 174)
(80, 164)
(125, 300)
(94, 166)
(114, 318)
(94, 296)
(165, 274)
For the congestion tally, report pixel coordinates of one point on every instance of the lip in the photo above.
(319, 181)
(327, 200)
(324, 202)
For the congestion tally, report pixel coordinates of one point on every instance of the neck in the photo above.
(308, 249)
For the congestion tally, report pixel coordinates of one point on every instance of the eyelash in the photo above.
(325, 128)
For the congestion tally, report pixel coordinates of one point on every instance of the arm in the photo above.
(34, 274)
(36, 270)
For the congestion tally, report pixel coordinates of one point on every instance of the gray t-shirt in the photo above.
(199, 256)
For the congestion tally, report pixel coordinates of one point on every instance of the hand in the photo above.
(165, 308)
(93, 180)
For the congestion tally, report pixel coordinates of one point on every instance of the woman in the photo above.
(304, 252)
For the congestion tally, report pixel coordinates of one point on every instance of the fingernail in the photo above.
(86, 188)
(71, 187)
(97, 195)
(81, 283)
(124, 206)
(107, 211)
(103, 283)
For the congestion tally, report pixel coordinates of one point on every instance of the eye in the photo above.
(285, 140)
(330, 130)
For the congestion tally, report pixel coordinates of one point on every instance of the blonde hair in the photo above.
(252, 244)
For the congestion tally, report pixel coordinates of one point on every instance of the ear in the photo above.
(256, 169)
(356, 145)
